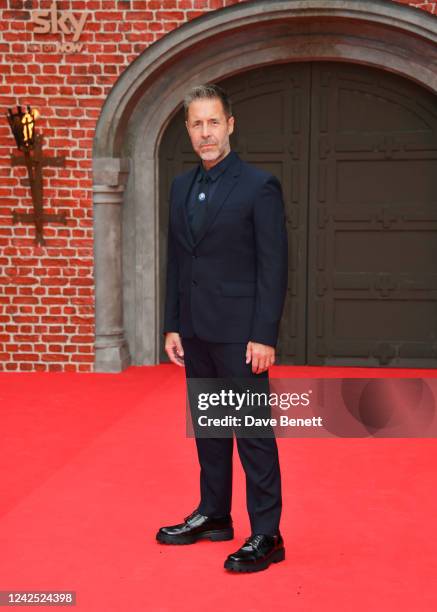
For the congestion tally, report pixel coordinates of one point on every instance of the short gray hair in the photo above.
(209, 90)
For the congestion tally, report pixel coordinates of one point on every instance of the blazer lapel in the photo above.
(181, 206)
(227, 183)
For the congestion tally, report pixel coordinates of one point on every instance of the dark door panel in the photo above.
(372, 296)
(355, 149)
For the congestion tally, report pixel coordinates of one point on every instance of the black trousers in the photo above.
(259, 456)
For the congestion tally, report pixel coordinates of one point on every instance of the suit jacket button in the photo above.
(195, 283)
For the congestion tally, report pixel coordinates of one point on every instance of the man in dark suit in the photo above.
(226, 285)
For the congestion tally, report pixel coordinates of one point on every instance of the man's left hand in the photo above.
(262, 356)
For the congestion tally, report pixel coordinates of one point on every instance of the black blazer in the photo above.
(230, 284)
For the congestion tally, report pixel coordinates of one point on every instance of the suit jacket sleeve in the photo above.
(272, 262)
(171, 309)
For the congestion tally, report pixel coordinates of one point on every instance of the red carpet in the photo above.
(93, 464)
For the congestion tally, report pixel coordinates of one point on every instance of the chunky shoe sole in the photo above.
(216, 535)
(239, 566)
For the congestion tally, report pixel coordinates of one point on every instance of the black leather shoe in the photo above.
(256, 554)
(197, 527)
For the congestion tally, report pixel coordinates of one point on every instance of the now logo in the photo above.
(69, 47)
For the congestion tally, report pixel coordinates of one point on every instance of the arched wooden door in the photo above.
(355, 149)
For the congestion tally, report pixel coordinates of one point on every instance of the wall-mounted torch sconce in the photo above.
(29, 143)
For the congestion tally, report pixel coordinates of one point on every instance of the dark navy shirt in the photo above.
(214, 176)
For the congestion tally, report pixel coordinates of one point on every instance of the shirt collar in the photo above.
(218, 169)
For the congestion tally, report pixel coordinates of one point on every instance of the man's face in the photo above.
(209, 130)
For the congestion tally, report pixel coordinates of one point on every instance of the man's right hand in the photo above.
(173, 348)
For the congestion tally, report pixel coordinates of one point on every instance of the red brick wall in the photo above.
(46, 293)
(426, 6)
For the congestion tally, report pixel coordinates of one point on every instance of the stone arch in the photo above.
(389, 36)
